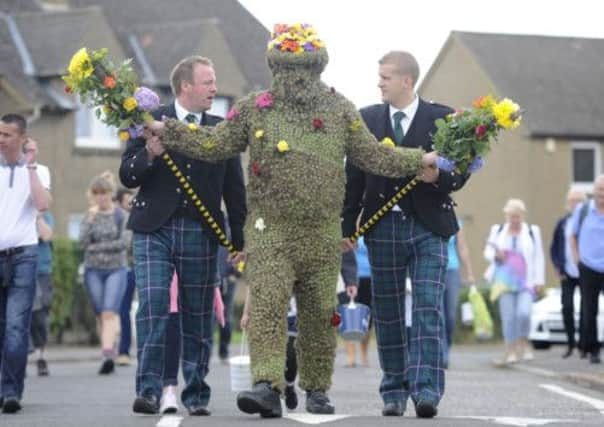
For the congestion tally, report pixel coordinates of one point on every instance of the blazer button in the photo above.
(131, 165)
(188, 166)
(178, 190)
(454, 184)
(444, 206)
(188, 177)
(133, 178)
(143, 203)
(134, 157)
(382, 196)
(396, 188)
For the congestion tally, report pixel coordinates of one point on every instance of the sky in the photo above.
(358, 33)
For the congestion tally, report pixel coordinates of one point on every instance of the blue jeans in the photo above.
(515, 311)
(106, 288)
(126, 327)
(16, 301)
(452, 285)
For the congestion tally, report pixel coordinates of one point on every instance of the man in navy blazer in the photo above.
(171, 235)
(410, 240)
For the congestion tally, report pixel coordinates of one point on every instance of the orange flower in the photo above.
(280, 28)
(290, 45)
(109, 82)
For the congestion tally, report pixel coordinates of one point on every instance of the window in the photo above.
(90, 132)
(220, 106)
(586, 164)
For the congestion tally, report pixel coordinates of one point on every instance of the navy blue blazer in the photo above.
(429, 203)
(160, 196)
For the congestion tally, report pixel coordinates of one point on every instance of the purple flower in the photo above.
(445, 164)
(308, 47)
(135, 131)
(146, 99)
(476, 164)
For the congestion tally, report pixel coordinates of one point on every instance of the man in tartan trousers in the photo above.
(170, 234)
(410, 240)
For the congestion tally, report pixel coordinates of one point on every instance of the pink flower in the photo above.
(232, 114)
(317, 124)
(480, 131)
(264, 100)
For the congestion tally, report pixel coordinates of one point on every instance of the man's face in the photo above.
(201, 91)
(11, 139)
(574, 199)
(393, 85)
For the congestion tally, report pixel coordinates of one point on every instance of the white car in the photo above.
(547, 326)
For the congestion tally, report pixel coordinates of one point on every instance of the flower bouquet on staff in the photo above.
(114, 88)
(463, 138)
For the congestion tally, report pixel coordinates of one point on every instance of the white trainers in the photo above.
(169, 401)
(528, 356)
(511, 358)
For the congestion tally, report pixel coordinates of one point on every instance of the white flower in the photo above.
(260, 224)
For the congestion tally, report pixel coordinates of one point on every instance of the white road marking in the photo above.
(169, 421)
(596, 403)
(536, 370)
(519, 421)
(314, 419)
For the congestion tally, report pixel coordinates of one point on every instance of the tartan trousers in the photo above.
(400, 246)
(179, 244)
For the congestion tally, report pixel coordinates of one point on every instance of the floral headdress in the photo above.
(295, 38)
(296, 44)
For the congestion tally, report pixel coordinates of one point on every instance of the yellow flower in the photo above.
(282, 146)
(107, 109)
(259, 134)
(80, 66)
(388, 142)
(356, 125)
(192, 127)
(506, 113)
(129, 104)
(241, 266)
(124, 135)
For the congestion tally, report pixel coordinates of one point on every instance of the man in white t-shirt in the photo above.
(23, 192)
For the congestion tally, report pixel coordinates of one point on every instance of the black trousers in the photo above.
(592, 283)
(568, 286)
(291, 362)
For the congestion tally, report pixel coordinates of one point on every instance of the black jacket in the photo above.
(557, 249)
(429, 203)
(160, 195)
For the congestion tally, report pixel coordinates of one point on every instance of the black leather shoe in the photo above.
(594, 358)
(107, 367)
(568, 353)
(393, 409)
(42, 368)
(291, 398)
(11, 405)
(261, 399)
(317, 402)
(145, 405)
(425, 409)
(199, 411)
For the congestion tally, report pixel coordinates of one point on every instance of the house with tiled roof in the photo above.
(560, 143)
(38, 38)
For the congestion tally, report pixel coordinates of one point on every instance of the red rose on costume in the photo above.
(317, 124)
(232, 114)
(336, 319)
(68, 89)
(480, 131)
(255, 168)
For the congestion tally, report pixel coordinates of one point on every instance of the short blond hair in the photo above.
(183, 71)
(514, 206)
(404, 62)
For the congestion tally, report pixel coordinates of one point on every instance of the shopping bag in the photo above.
(483, 323)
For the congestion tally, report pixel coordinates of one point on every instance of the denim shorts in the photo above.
(106, 288)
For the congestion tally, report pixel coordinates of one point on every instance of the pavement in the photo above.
(547, 363)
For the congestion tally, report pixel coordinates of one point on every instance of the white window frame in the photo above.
(586, 187)
(220, 106)
(101, 136)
